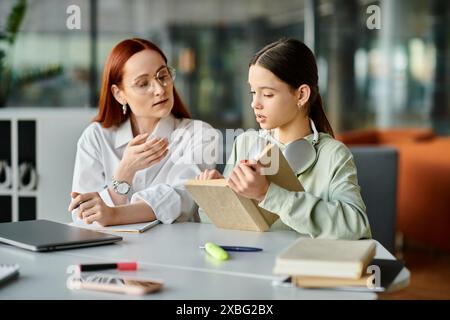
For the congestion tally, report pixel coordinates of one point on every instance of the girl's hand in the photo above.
(247, 181)
(209, 175)
(140, 154)
(92, 208)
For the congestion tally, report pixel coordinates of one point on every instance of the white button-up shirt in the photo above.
(161, 185)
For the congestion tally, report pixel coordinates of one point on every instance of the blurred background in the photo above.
(395, 76)
(384, 75)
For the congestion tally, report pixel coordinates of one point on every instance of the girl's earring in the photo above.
(124, 108)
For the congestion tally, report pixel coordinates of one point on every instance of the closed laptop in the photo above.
(45, 235)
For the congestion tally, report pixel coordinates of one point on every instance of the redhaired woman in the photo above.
(126, 170)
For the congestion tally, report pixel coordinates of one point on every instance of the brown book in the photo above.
(344, 259)
(228, 210)
(388, 270)
(326, 282)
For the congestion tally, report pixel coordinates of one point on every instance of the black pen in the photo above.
(238, 248)
(78, 204)
(242, 249)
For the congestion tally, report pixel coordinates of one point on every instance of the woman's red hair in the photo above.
(110, 110)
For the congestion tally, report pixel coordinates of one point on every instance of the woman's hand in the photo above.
(247, 181)
(140, 154)
(92, 208)
(209, 175)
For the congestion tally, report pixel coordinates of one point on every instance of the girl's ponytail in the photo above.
(317, 114)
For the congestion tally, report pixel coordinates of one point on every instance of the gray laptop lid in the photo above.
(45, 235)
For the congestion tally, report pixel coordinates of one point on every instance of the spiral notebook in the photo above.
(131, 228)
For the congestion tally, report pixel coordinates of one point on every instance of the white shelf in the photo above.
(56, 134)
(6, 193)
(19, 193)
(22, 193)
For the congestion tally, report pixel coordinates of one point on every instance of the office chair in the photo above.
(377, 176)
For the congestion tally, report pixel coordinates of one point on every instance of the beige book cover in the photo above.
(228, 210)
(327, 282)
(326, 258)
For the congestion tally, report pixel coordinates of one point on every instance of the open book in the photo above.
(133, 228)
(337, 259)
(228, 210)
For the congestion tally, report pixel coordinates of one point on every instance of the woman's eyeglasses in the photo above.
(164, 77)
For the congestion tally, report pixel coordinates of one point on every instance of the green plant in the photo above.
(7, 40)
(8, 78)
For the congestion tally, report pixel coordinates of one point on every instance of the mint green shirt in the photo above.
(330, 207)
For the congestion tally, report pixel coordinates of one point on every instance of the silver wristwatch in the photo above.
(121, 187)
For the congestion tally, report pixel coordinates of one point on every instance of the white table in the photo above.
(171, 253)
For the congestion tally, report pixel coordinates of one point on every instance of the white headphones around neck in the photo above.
(315, 132)
(300, 154)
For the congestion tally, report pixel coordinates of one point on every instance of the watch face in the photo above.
(123, 188)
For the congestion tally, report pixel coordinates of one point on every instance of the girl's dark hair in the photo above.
(294, 63)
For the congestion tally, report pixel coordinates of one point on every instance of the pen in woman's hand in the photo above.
(78, 204)
(73, 195)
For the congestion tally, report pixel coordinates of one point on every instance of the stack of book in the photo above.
(320, 263)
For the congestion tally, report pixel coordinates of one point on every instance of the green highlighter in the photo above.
(215, 251)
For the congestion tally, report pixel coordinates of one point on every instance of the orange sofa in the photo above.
(423, 198)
